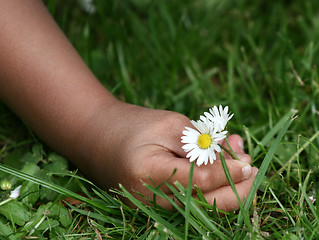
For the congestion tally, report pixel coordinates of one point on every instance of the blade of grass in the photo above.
(313, 225)
(151, 212)
(282, 207)
(303, 147)
(101, 217)
(55, 188)
(199, 213)
(182, 199)
(130, 93)
(229, 151)
(306, 197)
(263, 168)
(230, 180)
(205, 223)
(188, 198)
(249, 142)
(274, 130)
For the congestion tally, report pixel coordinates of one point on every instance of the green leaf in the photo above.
(6, 230)
(55, 211)
(13, 159)
(64, 217)
(290, 236)
(29, 193)
(57, 164)
(48, 224)
(55, 187)
(44, 209)
(16, 212)
(47, 194)
(31, 169)
(34, 157)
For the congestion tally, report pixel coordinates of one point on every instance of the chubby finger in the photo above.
(236, 142)
(213, 176)
(241, 156)
(225, 197)
(206, 177)
(175, 127)
(244, 157)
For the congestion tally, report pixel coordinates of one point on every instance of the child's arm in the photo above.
(43, 79)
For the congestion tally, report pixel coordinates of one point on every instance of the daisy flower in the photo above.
(202, 142)
(219, 117)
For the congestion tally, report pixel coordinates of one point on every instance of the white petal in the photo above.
(219, 138)
(201, 159)
(223, 111)
(217, 148)
(212, 157)
(189, 131)
(188, 147)
(202, 127)
(188, 139)
(15, 193)
(214, 111)
(205, 156)
(193, 154)
(208, 115)
(195, 124)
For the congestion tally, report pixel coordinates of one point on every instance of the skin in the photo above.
(47, 84)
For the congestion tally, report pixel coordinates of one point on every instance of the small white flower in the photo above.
(219, 117)
(202, 143)
(15, 193)
(312, 199)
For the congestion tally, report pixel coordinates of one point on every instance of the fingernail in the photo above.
(246, 172)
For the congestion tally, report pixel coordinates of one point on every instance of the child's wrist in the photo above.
(89, 142)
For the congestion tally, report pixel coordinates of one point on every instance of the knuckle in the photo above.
(170, 121)
(175, 120)
(202, 180)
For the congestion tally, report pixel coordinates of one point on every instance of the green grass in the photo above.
(258, 57)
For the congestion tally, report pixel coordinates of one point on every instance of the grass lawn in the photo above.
(258, 57)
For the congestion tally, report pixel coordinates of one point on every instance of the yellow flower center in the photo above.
(204, 141)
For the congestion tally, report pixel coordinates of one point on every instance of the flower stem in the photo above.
(5, 201)
(230, 151)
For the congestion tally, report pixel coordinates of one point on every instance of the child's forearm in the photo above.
(42, 78)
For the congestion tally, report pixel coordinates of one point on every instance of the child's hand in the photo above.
(127, 144)
(48, 85)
